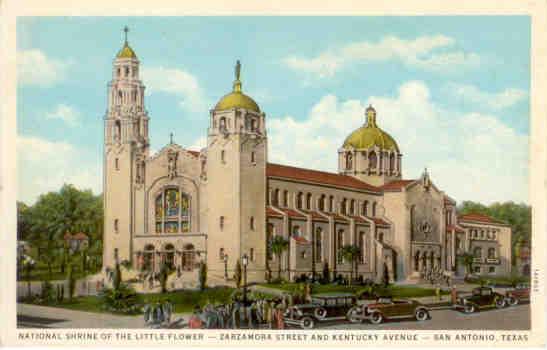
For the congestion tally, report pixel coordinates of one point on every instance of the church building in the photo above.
(181, 207)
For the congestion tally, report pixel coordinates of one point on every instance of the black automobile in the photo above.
(323, 307)
(481, 298)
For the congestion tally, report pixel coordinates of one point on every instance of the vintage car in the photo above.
(519, 294)
(481, 298)
(387, 308)
(322, 307)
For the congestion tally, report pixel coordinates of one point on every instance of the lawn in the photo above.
(397, 291)
(183, 301)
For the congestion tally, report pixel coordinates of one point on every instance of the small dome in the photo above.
(371, 135)
(236, 98)
(126, 52)
(239, 100)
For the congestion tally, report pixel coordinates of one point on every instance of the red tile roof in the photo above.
(358, 218)
(270, 212)
(292, 213)
(396, 185)
(380, 222)
(315, 215)
(479, 218)
(319, 177)
(454, 228)
(339, 217)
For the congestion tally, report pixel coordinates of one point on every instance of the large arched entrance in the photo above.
(188, 257)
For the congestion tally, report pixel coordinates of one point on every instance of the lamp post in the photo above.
(225, 266)
(245, 261)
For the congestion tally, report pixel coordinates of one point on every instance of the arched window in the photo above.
(308, 201)
(253, 160)
(270, 232)
(118, 72)
(172, 211)
(331, 204)
(343, 206)
(299, 200)
(221, 222)
(116, 225)
(318, 244)
(254, 125)
(222, 124)
(169, 255)
(477, 252)
(352, 207)
(365, 208)
(148, 257)
(362, 248)
(322, 202)
(285, 198)
(223, 156)
(126, 71)
(252, 254)
(349, 161)
(372, 160)
(252, 223)
(392, 163)
(117, 130)
(374, 209)
(275, 197)
(491, 253)
(221, 253)
(412, 218)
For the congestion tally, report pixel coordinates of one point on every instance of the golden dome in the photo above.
(126, 52)
(371, 135)
(236, 98)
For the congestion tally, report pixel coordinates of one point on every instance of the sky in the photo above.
(454, 91)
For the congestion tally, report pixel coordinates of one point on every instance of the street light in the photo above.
(245, 261)
(225, 266)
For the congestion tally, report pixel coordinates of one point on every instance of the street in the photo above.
(512, 318)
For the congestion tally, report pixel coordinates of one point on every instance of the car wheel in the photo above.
(376, 318)
(469, 309)
(513, 301)
(307, 323)
(500, 303)
(320, 313)
(421, 315)
(353, 314)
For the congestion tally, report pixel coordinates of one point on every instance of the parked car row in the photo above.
(345, 306)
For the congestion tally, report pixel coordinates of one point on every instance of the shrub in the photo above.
(121, 300)
(48, 293)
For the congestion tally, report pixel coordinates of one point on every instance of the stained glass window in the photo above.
(172, 211)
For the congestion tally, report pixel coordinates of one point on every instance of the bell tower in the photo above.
(126, 147)
(236, 183)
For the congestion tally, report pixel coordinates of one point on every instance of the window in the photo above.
(116, 256)
(253, 160)
(477, 269)
(116, 225)
(117, 164)
(362, 253)
(254, 125)
(322, 202)
(117, 130)
(339, 245)
(126, 71)
(221, 253)
(275, 198)
(318, 244)
(352, 207)
(308, 201)
(270, 231)
(381, 237)
(365, 208)
(221, 223)
(482, 234)
(392, 163)
(374, 209)
(118, 72)
(491, 269)
(372, 160)
(303, 254)
(285, 198)
(491, 253)
(296, 231)
(412, 218)
(252, 254)
(349, 161)
(477, 252)
(223, 156)
(222, 125)
(343, 206)
(172, 211)
(252, 223)
(299, 200)
(331, 204)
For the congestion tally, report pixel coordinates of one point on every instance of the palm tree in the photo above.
(467, 260)
(350, 253)
(278, 246)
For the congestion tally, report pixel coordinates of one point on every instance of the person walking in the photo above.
(279, 321)
(167, 309)
(195, 320)
(268, 313)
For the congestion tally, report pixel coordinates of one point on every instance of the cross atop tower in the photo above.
(171, 138)
(125, 29)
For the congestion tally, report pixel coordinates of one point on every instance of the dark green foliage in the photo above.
(71, 281)
(238, 274)
(278, 245)
(47, 293)
(519, 216)
(467, 260)
(202, 276)
(351, 253)
(120, 300)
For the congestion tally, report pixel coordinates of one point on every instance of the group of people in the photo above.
(158, 314)
(262, 313)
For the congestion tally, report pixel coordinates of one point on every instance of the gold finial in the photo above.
(237, 82)
(371, 116)
(125, 29)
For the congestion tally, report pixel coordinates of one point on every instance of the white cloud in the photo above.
(471, 156)
(419, 52)
(472, 95)
(44, 166)
(198, 144)
(67, 114)
(177, 82)
(35, 68)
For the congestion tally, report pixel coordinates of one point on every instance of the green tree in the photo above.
(351, 253)
(237, 274)
(71, 279)
(278, 246)
(467, 260)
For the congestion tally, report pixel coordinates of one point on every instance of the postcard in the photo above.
(187, 175)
